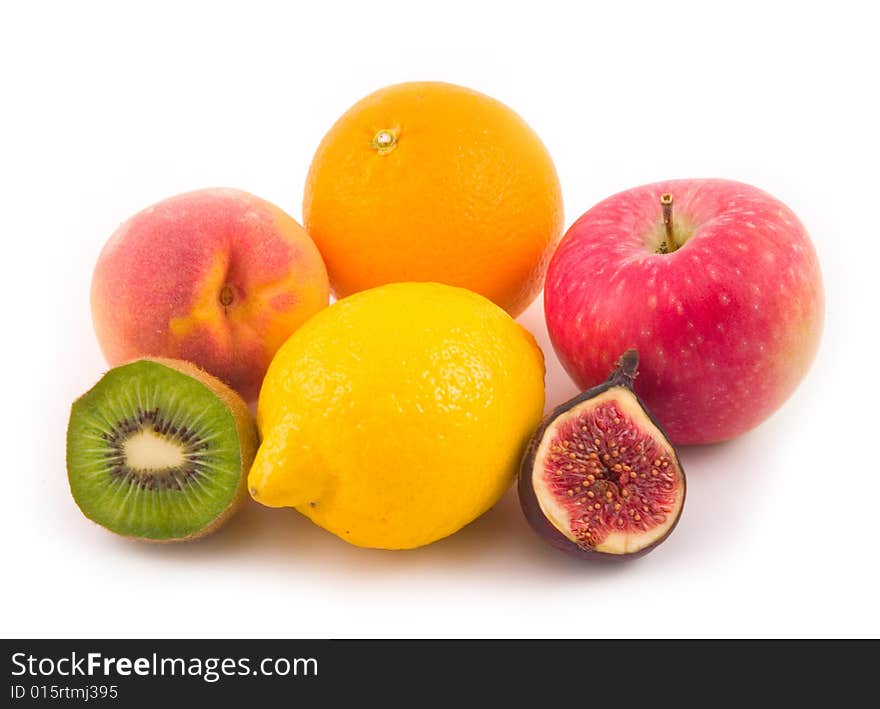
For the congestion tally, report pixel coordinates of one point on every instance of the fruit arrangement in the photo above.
(401, 412)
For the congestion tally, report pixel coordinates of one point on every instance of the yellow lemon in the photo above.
(398, 415)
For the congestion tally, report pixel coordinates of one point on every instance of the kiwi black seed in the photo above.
(159, 450)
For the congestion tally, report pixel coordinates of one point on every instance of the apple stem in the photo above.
(666, 204)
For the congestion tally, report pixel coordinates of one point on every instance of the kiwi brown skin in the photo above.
(248, 439)
(528, 498)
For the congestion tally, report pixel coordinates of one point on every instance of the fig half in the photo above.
(599, 478)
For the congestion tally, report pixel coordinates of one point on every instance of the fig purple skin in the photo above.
(602, 467)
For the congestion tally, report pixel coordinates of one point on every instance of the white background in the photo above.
(109, 107)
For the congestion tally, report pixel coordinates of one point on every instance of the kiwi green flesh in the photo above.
(152, 453)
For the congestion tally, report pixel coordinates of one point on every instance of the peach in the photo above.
(217, 277)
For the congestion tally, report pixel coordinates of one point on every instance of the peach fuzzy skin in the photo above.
(217, 277)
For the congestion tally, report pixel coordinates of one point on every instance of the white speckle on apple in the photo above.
(724, 299)
(769, 257)
(750, 225)
(720, 327)
(713, 273)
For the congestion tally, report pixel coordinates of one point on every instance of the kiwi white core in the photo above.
(145, 450)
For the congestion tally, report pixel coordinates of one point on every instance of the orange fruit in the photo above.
(427, 181)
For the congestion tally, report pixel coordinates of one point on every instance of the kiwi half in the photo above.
(160, 450)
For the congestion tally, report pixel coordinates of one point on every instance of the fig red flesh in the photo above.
(600, 478)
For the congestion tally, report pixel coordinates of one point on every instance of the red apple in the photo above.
(717, 285)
